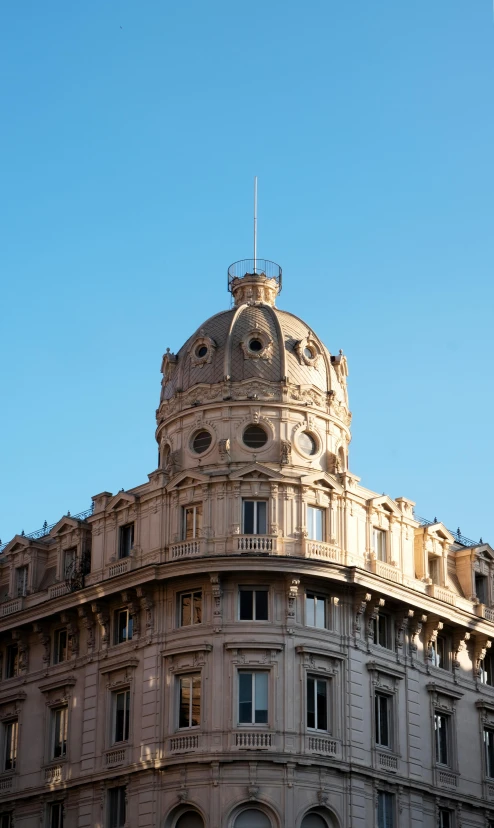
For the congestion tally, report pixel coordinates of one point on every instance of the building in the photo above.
(250, 638)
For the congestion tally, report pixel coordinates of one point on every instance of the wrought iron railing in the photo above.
(260, 267)
(459, 538)
(46, 529)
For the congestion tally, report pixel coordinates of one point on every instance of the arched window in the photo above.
(252, 818)
(191, 819)
(313, 821)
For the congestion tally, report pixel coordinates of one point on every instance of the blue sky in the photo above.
(130, 136)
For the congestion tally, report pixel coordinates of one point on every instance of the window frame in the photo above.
(441, 651)
(118, 792)
(380, 548)
(73, 552)
(318, 678)
(253, 674)
(386, 810)
(190, 677)
(196, 529)
(445, 812)
(193, 593)
(127, 716)
(254, 589)
(489, 761)
(312, 527)
(63, 732)
(389, 715)
(56, 645)
(21, 586)
(482, 595)
(116, 626)
(255, 520)
(383, 621)
(124, 551)
(442, 714)
(486, 669)
(316, 598)
(13, 741)
(12, 661)
(56, 820)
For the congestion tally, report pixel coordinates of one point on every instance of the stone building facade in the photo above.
(250, 638)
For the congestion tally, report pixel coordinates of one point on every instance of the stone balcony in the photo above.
(321, 551)
(386, 570)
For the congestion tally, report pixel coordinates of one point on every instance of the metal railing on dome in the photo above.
(46, 529)
(459, 538)
(257, 267)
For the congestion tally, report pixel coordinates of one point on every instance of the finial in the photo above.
(481, 541)
(436, 520)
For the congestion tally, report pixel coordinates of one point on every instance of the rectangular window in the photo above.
(121, 716)
(316, 611)
(60, 646)
(252, 698)
(56, 815)
(385, 810)
(126, 540)
(255, 517)
(489, 752)
(315, 523)
(486, 674)
(21, 581)
(123, 626)
(383, 631)
(5, 820)
(12, 661)
(190, 701)
(317, 703)
(117, 807)
(192, 522)
(382, 720)
(379, 544)
(10, 736)
(481, 588)
(434, 571)
(69, 563)
(445, 819)
(190, 608)
(441, 728)
(440, 653)
(59, 732)
(253, 604)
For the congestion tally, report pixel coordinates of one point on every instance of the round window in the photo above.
(201, 351)
(307, 443)
(201, 441)
(255, 345)
(255, 437)
(309, 352)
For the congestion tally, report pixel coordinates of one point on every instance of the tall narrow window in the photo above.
(441, 729)
(190, 701)
(117, 809)
(489, 752)
(10, 736)
(382, 631)
(434, 571)
(255, 517)
(253, 698)
(126, 540)
(253, 604)
(69, 563)
(5, 820)
(440, 653)
(12, 661)
(56, 815)
(382, 720)
(315, 523)
(21, 581)
(486, 669)
(481, 588)
(385, 810)
(59, 732)
(316, 611)
(190, 608)
(121, 716)
(192, 522)
(123, 627)
(445, 818)
(60, 646)
(317, 703)
(379, 544)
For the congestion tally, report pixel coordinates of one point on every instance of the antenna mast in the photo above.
(255, 223)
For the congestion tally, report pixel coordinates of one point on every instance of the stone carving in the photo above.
(45, 641)
(224, 450)
(432, 628)
(286, 453)
(103, 618)
(147, 605)
(23, 650)
(216, 590)
(86, 616)
(292, 604)
(202, 350)
(360, 605)
(373, 607)
(401, 626)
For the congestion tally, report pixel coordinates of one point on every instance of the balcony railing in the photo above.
(386, 570)
(441, 594)
(182, 744)
(387, 762)
(11, 606)
(253, 740)
(265, 544)
(187, 548)
(57, 590)
(321, 550)
(115, 757)
(319, 744)
(119, 567)
(54, 774)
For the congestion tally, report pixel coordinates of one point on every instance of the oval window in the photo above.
(201, 441)
(309, 353)
(307, 443)
(255, 345)
(255, 436)
(201, 351)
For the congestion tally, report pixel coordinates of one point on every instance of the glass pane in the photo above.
(383, 720)
(248, 517)
(261, 517)
(184, 703)
(310, 610)
(119, 717)
(197, 607)
(246, 605)
(322, 706)
(311, 707)
(186, 616)
(252, 818)
(198, 520)
(245, 698)
(320, 613)
(196, 701)
(189, 524)
(190, 820)
(382, 623)
(127, 715)
(313, 821)
(318, 525)
(261, 598)
(261, 697)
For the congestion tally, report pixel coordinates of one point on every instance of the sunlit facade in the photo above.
(250, 638)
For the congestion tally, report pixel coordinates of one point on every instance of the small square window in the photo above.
(56, 815)
(60, 646)
(253, 604)
(315, 523)
(253, 698)
(192, 522)
(126, 540)
(442, 724)
(379, 544)
(317, 703)
(10, 737)
(123, 626)
(121, 716)
(117, 807)
(316, 611)
(190, 608)
(382, 720)
(190, 701)
(255, 517)
(59, 723)
(12, 661)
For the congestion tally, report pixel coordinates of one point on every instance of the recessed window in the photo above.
(117, 807)
(201, 441)
(434, 573)
(123, 626)
(5, 820)
(382, 719)
(315, 611)
(21, 581)
(201, 351)
(56, 815)
(317, 703)
(59, 723)
(445, 818)
(379, 544)
(192, 522)
(315, 523)
(60, 646)
(440, 653)
(253, 604)
(481, 588)
(252, 698)
(489, 752)
(190, 608)
(256, 345)
(121, 716)
(69, 563)
(12, 661)
(190, 701)
(442, 723)
(385, 810)
(382, 631)
(307, 443)
(10, 734)
(255, 517)
(126, 543)
(255, 437)
(486, 669)
(252, 818)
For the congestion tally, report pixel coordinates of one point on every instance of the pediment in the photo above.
(438, 530)
(65, 524)
(485, 551)
(320, 478)
(121, 499)
(255, 471)
(20, 543)
(189, 477)
(386, 503)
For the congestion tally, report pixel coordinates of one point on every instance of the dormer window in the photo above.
(379, 544)
(481, 588)
(434, 570)
(126, 543)
(21, 581)
(69, 558)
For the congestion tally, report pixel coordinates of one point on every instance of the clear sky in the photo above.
(130, 135)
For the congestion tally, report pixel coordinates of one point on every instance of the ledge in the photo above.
(320, 651)
(200, 648)
(375, 667)
(255, 645)
(119, 663)
(54, 684)
(432, 687)
(14, 696)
